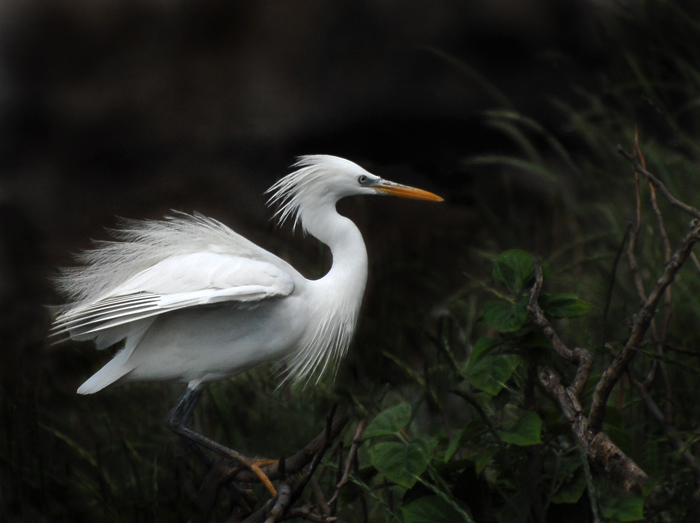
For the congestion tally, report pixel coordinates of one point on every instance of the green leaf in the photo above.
(504, 316)
(482, 347)
(484, 458)
(454, 445)
(563, 305)
(516, 270)
(623, 508)
(524, 431)
(467, 438)
(492, 373)
(402, 462)
(430, 509)
(571, 491)
(489, 372)
(389, 422)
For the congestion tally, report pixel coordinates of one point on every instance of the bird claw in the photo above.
(254, 466)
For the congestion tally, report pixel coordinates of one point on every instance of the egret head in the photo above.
(323, 180)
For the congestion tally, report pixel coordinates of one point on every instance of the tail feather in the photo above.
(116, 369)
(119, 366)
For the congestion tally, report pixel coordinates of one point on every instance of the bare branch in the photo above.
(305, 512)
(578, 356)
(296, 462)
(668, 428)
(632, 263)
(659, 335)
(659, 185)
(633, 236)
(352, 456)
(282, 503)
(598, 447)
(328, 438)
(218, 477)
(289, 492)
(320, 497)
(668, 251)
(542, 322)
(695, 261)
(682, 350)
(639, 328)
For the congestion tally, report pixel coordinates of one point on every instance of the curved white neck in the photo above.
(345, 242)
(336, 298)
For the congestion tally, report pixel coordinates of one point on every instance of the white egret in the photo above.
(195, 302)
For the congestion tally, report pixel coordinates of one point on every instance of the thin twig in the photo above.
(695, 261)
(327, 440)
(668, 428)
(632, 245)
(639, 328)
(352, 456)
(541, 321)
(632, 263)
(651, 375)
(692, 211)
(659, 335)
(474, 403)
(320, 497)
(682, 350)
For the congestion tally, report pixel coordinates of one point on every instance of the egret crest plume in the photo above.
(307, 183)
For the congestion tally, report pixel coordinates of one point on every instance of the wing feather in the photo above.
(178, 282)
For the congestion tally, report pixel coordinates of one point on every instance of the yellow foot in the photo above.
(255, 465)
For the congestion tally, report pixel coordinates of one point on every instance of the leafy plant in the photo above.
(507, 426)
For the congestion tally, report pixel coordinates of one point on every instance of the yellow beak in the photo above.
(404, 191)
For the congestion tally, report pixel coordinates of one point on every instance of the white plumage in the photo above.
(196, 302)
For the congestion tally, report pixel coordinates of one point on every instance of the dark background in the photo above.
(133, 108)
(509, 109)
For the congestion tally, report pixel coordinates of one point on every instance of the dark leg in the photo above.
(180, 417)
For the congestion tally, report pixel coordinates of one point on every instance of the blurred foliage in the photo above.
(464, 432)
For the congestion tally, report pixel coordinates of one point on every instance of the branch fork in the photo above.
(598, 447)
(587, 427)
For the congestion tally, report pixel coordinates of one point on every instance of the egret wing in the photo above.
(177, 282)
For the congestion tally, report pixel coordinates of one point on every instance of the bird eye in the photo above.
(363, 179)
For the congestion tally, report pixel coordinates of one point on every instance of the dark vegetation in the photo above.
(528, 353)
